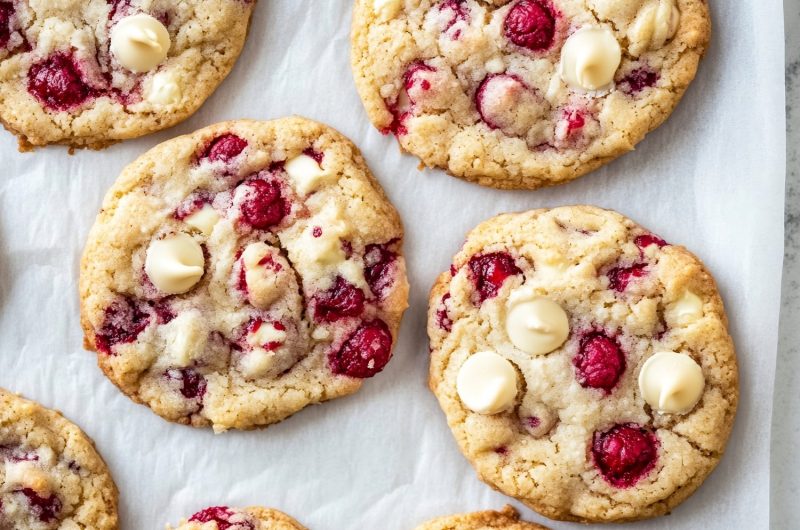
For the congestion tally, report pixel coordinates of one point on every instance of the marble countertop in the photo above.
(785, 485)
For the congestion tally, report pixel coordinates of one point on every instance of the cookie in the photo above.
(92, 73)
(505, 519)
(524, 93)
(51, 476)
(240, 273)
(583, 363)
(252, 518)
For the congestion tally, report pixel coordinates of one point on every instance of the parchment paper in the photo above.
(711, 178)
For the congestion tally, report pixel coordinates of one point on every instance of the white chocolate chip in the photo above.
(185, 336)
(590, 58)
(203, 219)
(140, 42)
(257, 362)
(265, 275)
(671, 383)
(386, 9)
(265, 334)
(306, 173)
(655, 24)
(495, 65)
(175, 264)
(535, 324)
(686, 309)
(26, 474)
(164, 89)
(487, 383)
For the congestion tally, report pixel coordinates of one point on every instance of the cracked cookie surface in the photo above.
(240, 273)
(61, 83)
(579, 441)
(505, 519)
(251, 518)
(51, 476)
(474, 87)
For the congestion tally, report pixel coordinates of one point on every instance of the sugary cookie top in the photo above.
(240, 273)
(619, 415)
(51, 477)
(252, 518)
(89, 73)
(505, 519)
(524, 93)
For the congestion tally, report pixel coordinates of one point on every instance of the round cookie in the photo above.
(505, 519)
(251, 518)
(619, 416)
(524, 93)
(243, 272)
(91, 73)
(51, 476)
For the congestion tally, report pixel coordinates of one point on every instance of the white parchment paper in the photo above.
(711, 178)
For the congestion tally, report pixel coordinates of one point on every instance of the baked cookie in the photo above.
(252, 518)
(91, 73)
(583, 363)
(524, 93)
(51, 476)
(505, 519)
(240, 273)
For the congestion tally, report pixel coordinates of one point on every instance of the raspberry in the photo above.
(645, 240)
(638, 80)
(342, 300)
(489, 271)
(264, 206)
(45, 508)
(122, 323)
(224, 517)
(624, 453)
(442, 318)
(620, 277)
(530, 24)
(56, 82)
(378, 270)
(6, 12)
(365, 352)
(599, 362)
(224, 148)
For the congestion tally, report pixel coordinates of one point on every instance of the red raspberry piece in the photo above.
(378, 260)
(365, 352)
(342, 300)
(264, 206)
(620, 277)
(193, 384)
(599, 362)
(624, 453)
(530, 24)
(489, 271)
(57, 83)
(45, 508)
(221, 515)
(122, 323)
(6, 12)
(645, 240)
(442, 318)
(638, 80)
(224, 148)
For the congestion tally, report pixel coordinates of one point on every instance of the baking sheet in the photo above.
(711, 178)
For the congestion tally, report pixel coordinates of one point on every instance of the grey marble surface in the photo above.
(786, 414)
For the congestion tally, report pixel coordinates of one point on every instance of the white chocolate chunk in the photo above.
(590, 58)
(266, 277)
(185, 336)
(687, 309)
(203, 219)
(26, 474)
(487, 383)
(306, 173)
(175, 264)
(386, 9)
(265, 334)
(655, 24)
(140, 42)
(671, 383)
(164, 89)
(257, 362)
